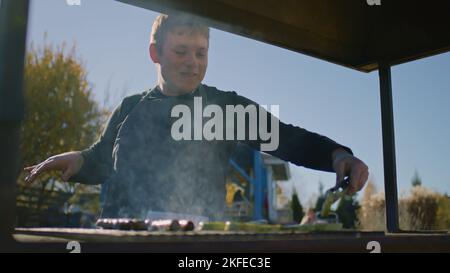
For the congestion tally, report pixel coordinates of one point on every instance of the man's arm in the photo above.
(312, 150)
(295, 144)
(93, 165)
(90, 166)
(305, 148)
(97, 159)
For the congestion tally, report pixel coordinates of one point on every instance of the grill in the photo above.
(111, 240)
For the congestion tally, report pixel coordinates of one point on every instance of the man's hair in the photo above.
(165, 23)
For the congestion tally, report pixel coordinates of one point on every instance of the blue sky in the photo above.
(112, 39)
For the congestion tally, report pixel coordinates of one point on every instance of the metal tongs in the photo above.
(332, 195)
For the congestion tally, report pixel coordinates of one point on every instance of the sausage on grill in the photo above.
(147, 224)
(122, 224)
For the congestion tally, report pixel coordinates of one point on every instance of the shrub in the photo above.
(422, 209)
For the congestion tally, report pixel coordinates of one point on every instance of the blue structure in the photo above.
(258, 181)
(266, 170)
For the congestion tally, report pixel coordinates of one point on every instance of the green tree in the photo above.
(297, 208)
(443, 213)
(61, 114)
(320, 198)
(347, 211)
(416, 180)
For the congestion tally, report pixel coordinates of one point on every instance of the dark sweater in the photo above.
(145, 169)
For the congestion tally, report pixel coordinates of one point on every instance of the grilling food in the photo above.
(332, 195)
(186, 225)
(169, 225)
(122, 224)
(164, 225)
(147, 224)
(238, 226)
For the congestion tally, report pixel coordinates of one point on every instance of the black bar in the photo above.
(390, 172)
(13, 28)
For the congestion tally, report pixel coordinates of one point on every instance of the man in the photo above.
(147, 170)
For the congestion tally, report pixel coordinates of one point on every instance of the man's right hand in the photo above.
(69, 163)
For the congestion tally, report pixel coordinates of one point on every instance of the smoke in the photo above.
(157, 176)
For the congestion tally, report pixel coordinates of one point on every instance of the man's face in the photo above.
(183, 60)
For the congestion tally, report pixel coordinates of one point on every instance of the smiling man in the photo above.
(180, 51)
(146, 171)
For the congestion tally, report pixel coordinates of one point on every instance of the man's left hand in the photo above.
(345, 164)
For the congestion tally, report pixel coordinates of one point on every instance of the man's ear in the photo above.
(154, 53)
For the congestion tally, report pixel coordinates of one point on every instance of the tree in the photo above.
(61, 114)
(416, 180)
(347, 211)
(297, 208)
(320, 198)
(369, 190)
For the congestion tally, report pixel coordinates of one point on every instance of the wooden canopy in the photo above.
(351, 33)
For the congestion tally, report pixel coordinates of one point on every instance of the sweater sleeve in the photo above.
(296, 145)
(98, 160)
(97, 164)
